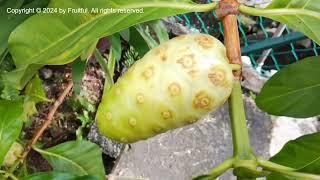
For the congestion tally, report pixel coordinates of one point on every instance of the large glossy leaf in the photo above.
(302, 15)
(302, 154)
(57, 176)
(9, 20)
(10, 125)
(293, 91)
(60, 38)
(75, 157)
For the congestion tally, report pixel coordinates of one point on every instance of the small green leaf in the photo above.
(57, 176)
(75, 157)
(115, 53)
(293, 91)
(160, 30)
(146, 35)
(138, 42)
(125, 34)
(34, 94)
(78, 70)
(10, 125)
(302, 15)
(9, 92)
(35, 90)
(302, 154)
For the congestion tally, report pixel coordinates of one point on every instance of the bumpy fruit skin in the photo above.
(173, 85)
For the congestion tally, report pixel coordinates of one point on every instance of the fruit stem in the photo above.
(240, 136)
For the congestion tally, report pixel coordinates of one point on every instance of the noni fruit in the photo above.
(173, 85)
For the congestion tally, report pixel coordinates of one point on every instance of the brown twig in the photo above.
(230, 28)
(48, 121)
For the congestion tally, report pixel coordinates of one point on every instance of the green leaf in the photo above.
(34, 94)
(115, 53)
(10, 21)
(293, 91)
(125, 34)
(9, 92)
(10, 125)
(160, 30)
(75, 157)
(35, 90)
(302, 15)
(33, 43)
(302, 154)
(138, 42)
(57, 176)
(146, 35)
(78, 70)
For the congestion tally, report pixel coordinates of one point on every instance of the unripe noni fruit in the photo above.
(173, 85)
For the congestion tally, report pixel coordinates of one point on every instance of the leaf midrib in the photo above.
(184, 6)
(291, 92)
(61, 157)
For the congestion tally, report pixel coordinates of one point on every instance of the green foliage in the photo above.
(114, 54)
(11, 21)
(130, 57)
(69, 34)
(34, 93)
(10, 93)
(10, 125)
(302, 15)
(58, 176)
(79, 158)
(293, 91)
(302, 154)
(78, 70)
(161, 31)
(137, 42)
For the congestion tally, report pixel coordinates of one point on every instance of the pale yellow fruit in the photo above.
(173, 85)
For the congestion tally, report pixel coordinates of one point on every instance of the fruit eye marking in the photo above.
(202, 100)
(217, 76)
(161, 52)
(166, 114)
(140, 98)
(204, 41)
(148, 73)
(187, 61)
(132, 122)
(108, 116)
(174, 89)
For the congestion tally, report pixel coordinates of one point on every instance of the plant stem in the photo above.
(240, 135)
(223, 167)
(108, 82)
(286, 171)
(6, 174)
(283, 11)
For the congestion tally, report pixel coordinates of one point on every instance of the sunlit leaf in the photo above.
(75, 157)
(293, 91)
